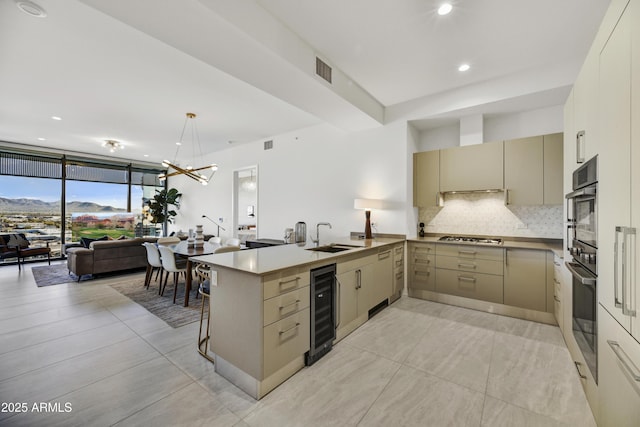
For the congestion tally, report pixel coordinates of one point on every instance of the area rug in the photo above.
(132, 286)
(174, 315)
(48, 275)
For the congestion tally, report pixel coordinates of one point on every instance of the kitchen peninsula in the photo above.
(260, 303)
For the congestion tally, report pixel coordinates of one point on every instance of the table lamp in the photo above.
(367, 205)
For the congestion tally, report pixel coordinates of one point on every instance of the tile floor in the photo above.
(417, 363)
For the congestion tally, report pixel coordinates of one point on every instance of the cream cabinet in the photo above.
(398, 272)
(426, 178)
(472, 167)
(382, 280)
(524, 170)
(355, 278)
(553, 164)
(619, 378)
(525, 279)
(555, 288)
(470, 271)
(617, 285)
(533, 170)
(421, 274)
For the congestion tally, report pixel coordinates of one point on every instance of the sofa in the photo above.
(107, 256)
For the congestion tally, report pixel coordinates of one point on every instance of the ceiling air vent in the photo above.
(323, 69)
(268, 145)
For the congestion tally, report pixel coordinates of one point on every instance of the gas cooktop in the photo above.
(479, 240)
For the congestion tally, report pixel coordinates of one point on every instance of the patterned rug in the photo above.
(132, 286)
(175, 315)
(48, 275)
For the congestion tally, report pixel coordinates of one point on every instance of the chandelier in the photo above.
(189, 170)
(112, 145)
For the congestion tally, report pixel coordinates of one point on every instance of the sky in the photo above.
(49, 190)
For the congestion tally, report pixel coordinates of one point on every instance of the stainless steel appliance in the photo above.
(301, 232)
(582, 243)
(323, 312)
(477, 240)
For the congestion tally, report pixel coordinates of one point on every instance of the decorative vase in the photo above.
(191, 241)
(199, 236)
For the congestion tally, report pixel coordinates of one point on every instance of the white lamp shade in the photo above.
(367, 204)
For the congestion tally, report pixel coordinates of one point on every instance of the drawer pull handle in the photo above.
(399, 263)
(282, 307)
(290, 329)
(467, 252)
(556, 298)
(624, 359)
(422, 261)
(284, 282)
(462, 265)
(423, 273)
(399, 275)
(583, 377)
(384, 255)
(556, 264)
(467, 279)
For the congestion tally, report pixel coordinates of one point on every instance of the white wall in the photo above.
(311, 175)
(542, 121)
(498, 128)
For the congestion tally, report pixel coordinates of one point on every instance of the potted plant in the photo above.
(159, 210)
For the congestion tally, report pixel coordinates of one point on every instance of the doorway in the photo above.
(245, 203)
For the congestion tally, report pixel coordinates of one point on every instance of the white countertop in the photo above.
(275, 258)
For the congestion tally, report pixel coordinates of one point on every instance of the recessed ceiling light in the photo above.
(56, 118)
(464, 67)
(178, 143)
(444, 9)
(146, 155)
(31, 9)
(42, 139)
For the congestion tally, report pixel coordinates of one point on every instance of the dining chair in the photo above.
(215, 240)
(167, 256)
(171, 240)
(232, 242)
(153, 263)
(222, 249)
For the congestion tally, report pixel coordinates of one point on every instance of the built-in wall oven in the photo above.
(582, 243)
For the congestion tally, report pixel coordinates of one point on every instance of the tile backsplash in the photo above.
(486, 214)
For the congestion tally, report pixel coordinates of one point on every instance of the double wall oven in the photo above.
(582, 243)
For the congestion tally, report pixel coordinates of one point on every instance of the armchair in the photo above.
(19, 245)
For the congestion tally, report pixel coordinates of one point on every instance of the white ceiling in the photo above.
(130, 69)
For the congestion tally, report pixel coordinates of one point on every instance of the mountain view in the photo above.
(24, 205)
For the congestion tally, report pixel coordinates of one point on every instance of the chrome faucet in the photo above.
(316, 241)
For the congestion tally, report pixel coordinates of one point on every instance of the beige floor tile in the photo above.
(501, 414)
(455, 352)
(414, 398)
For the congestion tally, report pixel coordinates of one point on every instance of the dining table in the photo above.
(187, 250)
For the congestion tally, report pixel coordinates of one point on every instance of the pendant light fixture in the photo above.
(189, 170)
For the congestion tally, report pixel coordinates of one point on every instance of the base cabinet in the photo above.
(525, 279)
(619, 374)
(421, 274)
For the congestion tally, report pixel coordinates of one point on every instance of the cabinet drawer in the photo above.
(471, 265)
(421, 250)
(285, 340)
(423, 278)
(424, 261)
(285, 305)
(398, 264)
(285, 281)
(398, 251)
(486, 287)
(471, 252)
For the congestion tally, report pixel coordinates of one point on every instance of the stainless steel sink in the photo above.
(333, 248)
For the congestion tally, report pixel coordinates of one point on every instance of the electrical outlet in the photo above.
(220, 219)
(214, 278)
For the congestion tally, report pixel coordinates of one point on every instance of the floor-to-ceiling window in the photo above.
(58, 199)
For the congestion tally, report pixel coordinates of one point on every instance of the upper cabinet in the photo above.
(530, 169)
(553, 172)
(533, 170)
(426, 178)
(524, 171)
(472, 167)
